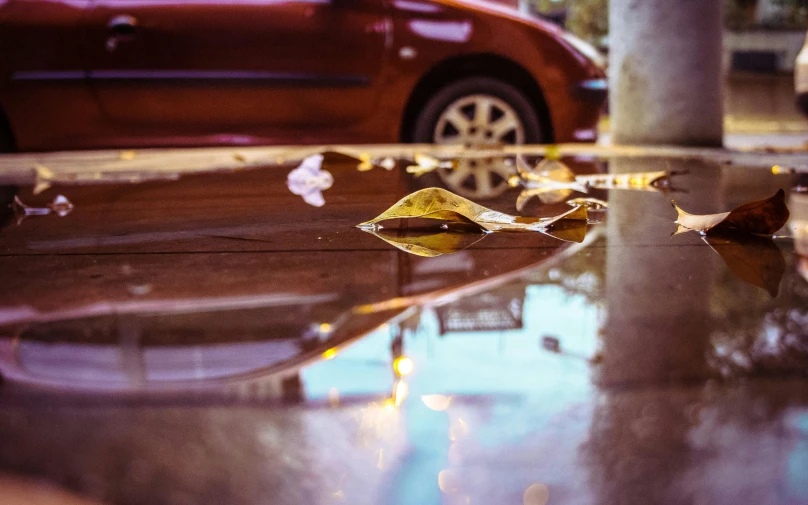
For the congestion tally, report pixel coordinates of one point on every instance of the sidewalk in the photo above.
(749, 133)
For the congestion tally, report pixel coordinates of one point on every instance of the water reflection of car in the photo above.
(102, 73)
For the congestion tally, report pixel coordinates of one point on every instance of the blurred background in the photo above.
(761, 41)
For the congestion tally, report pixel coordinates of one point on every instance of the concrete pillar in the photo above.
(665, 75)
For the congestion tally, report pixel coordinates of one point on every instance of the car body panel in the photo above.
(491, 30)
(43, 92)
(264, 72)
(254, 66)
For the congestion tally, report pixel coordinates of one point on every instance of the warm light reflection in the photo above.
(333, 397)
(448, 481)
(536, 494)
(458, 429)
(330, 353)
(400, 393)
(403, 366)
(325, 328)
(380, 431)
(455, 456)
(436, 402)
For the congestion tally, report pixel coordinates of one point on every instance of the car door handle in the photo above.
(120, 28)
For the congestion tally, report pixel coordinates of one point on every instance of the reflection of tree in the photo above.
(589, 19)
(582, 274)
(753, 334)
(743, 14)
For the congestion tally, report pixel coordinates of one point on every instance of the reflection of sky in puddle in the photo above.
(454, 445)
(471, 363)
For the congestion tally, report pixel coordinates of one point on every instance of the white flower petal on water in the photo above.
(309, 180)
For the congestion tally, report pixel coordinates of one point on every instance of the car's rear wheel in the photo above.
(478, 111)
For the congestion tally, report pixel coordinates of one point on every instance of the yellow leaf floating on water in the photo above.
(425, 164)
(643, 181)
(365, 163)
(761, 217)
(442, 205)
(551, 181)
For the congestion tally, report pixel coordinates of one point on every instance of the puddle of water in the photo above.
(492, 368)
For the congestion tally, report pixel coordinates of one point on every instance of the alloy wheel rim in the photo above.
(478, 120)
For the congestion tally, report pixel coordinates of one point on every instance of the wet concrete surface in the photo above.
(217, 340)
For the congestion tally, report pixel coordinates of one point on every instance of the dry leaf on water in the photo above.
(552, 181)
(433, 241)
(642, 181)
(753, 259)
(439, 204)
(762, 217)
(60, 206)
(343, 157)
(425, 164)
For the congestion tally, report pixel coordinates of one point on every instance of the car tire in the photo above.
(430, 113)
(488, 106)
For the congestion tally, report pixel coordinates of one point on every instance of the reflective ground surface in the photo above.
(216, 339)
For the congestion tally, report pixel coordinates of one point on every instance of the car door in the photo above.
(43, 88)
(236, 68)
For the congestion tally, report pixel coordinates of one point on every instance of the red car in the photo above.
(135, 73)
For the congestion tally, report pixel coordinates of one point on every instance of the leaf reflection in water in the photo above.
(552, 181)
(591, 204)
(431, 241)
(753, 259)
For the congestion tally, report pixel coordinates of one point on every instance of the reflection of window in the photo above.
(450, 31)
(755, 61)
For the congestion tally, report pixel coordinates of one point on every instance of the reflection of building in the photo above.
(493, 311)
(762, 51)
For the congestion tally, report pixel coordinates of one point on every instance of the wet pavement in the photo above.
(217, 339)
